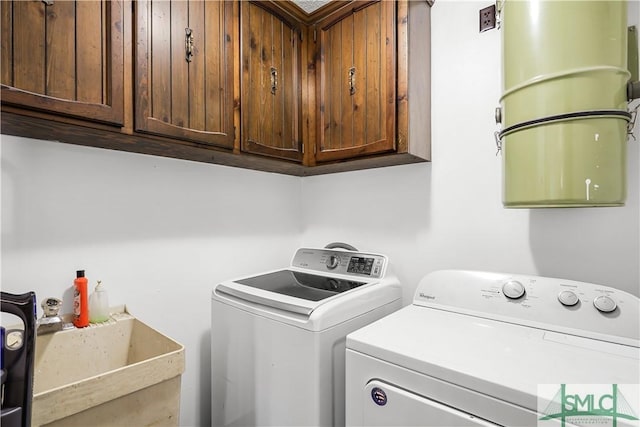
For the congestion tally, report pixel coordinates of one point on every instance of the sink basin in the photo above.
(121, 372)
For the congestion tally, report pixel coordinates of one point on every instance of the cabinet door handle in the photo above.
(274, 80)
(48, 2)
(352, 80)
(188, 44)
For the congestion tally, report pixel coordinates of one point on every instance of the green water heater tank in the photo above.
(563, 109)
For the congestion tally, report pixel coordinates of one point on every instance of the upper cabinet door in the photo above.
(271, 93)
(356, 81)
(185, 76)
(64, 57)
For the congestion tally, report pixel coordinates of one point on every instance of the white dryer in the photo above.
(278, 338)
(478, 348)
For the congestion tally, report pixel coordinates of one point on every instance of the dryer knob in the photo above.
(604, 304)
(568, 298)
(513, 289)
(332, 262)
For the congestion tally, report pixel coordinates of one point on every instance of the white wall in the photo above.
(159, 233)
(448, 214)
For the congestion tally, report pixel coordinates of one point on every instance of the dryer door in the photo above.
(387, 405)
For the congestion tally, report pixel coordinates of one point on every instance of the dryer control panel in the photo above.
(578, 308)
(349, 263)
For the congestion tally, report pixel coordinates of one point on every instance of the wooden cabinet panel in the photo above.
(185, 77)
(257, 80)
(270, 84)
(356, 82)
(65, 58)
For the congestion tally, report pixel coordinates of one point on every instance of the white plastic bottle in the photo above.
(99, 305)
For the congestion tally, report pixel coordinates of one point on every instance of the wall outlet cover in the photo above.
(488, 18)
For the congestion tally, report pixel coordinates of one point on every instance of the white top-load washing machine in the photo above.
(278, 338)
(478, 348)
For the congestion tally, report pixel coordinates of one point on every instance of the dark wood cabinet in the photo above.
(270, 91)
(185, 77)
(356, 81)
(63, 57)
(254, 84)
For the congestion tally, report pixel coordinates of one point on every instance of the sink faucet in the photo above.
(50, 321)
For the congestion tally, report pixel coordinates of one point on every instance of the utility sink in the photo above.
(121, 372)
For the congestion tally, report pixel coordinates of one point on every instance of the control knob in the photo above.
(568, 298)
(513, 289)
(332, 262)
(604, 304)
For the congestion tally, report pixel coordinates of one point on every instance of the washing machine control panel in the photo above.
(556, 304)
(349, 263)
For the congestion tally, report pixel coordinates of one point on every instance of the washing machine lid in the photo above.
(320, 288)
(297, 284)
(289, 290)
(507, 360)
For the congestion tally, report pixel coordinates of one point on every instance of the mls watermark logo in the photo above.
(614, 405)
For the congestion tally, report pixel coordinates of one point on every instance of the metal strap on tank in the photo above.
(621, 114)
